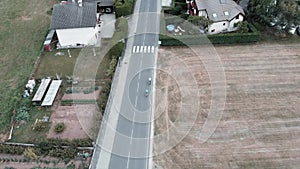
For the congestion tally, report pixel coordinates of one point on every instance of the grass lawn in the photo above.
(23, 26)
(50, 65)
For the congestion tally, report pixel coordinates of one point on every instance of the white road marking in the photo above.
(135, 103)
(128, 159)
(141, 64)
(138, 86)
(131, 136)
(142, 48)
(152, 49)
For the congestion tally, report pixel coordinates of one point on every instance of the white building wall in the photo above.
(218, 27)
(72, 37)
(235, 20)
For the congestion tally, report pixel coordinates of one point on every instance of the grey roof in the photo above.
(216, 9)
(101, 2)
(71, 15)
(106, 3)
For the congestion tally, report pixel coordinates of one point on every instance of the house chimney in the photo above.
(80, 3)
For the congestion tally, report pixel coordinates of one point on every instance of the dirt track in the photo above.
(260, 126)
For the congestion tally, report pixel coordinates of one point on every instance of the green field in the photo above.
(23, 26)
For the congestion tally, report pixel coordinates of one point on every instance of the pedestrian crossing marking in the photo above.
(143, 49)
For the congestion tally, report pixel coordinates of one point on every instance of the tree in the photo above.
(281, 13)
(242, 27)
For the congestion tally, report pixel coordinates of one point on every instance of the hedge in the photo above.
(227, 38)
(70, 102)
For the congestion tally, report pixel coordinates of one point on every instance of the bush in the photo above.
(29, 153)
(40, 126)
(112, 66)
(59, 128)
(11, 149)
(63, 153)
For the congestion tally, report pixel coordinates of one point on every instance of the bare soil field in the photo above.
(260, 124)
(77, 118)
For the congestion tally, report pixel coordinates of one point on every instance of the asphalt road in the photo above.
(131, 147)
(124, 140)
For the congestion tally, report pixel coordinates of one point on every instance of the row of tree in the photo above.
(284, 14)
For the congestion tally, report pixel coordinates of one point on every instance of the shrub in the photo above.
(44, 147)
(63, 153)
(112, 66)
(29, 153)
(40, 126)
(11, 149)
(59, 127)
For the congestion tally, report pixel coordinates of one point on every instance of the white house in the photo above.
(223, 13)
(75, 24)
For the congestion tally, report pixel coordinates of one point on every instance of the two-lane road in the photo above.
(132, 140)
(129, 147)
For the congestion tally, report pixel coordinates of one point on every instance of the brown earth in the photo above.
(82, 96)
(78, 120)
(260, 125)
